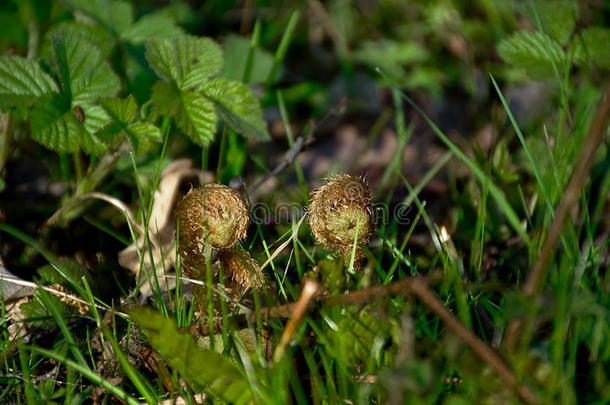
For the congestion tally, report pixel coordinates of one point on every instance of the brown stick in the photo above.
(418, 286)
(285, 311)
(310, 290)
(572, 193)
(484, 351)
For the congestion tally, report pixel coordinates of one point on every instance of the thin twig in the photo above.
(417, 286)
(58, 293)
(362, 296)
(69, 209)
(115, 202)
(291, 154)
(310, 290)
(570, 198)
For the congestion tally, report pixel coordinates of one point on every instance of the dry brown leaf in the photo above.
(176, 177)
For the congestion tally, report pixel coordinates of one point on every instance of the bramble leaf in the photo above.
(94, 118)
(151, 26)
(558, 18)
(22, 82)
(197, 118)
(71, 268)
(146, 130)
(93, 34)
(203, 369)
(37, 313)
(187, 60)
(165, 98)
(122, 113)
(56, 125)
(193, 98)
(84, 74)
(53, 125)
(121, 110)
(194, 114)
(533, 51)
(237, 106)
(115, 16)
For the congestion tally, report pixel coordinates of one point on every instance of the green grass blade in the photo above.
(495, 192)
(86, 372)
(530, 158)
(44, 296)
(283, 47)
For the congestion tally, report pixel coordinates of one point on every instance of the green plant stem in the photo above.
(221, 151)
(283, 47)
(30, 394)
(6, 136)
(78, 167)
(290, 137)
(73, 208)
(33, 38)
(256, 35)
(208, 288)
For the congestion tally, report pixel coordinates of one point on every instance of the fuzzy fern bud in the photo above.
(213, 214)
(241, 271)
(341, 212)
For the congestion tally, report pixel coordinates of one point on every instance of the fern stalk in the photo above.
(5, 139)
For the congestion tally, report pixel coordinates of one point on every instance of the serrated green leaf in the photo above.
(165, 97)
(83, 72)
(558, 18)
(194, 114)
(237, 106)
(22, 82)
(203, 369)
(111, 134)
(121, 110)
(93, 34)
(185, 59)
(95, 118)
(146, 130)
(592, 46)
(142, 134)
(55, 125)
(114, 15)
(151, 26)
(121, 15)
(533, 51)
(197, 118)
